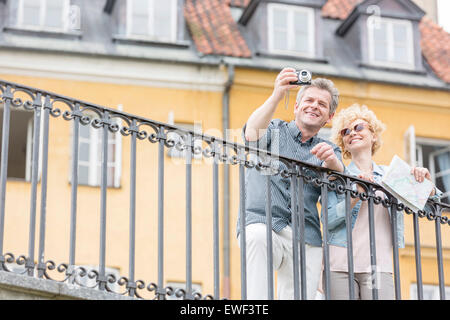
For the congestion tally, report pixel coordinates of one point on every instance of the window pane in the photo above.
(139, 17)
(380, 52)
(18, 142)
(162, 19)
(83, 152)
(83, 174)
(31, 12)
(301, 23)
(54, 14)
(84, 131)
(400, 32)
(301, 32)
(400, 54)
(301, 42)
(380, 32)
(280, 40)
(139, 25)
(280, 19)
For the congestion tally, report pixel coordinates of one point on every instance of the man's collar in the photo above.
(297, 134)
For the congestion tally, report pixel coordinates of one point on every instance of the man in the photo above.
(315, 106)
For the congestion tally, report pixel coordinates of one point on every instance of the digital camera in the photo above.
(303, 76)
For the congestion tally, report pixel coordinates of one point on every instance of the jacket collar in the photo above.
(377, 170)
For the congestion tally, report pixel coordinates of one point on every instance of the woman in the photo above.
(357, 131)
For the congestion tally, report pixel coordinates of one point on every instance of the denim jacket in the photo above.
(336, 211)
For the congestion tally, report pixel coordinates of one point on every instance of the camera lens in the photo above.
(304, 73)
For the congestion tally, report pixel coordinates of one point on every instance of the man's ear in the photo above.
(330, 118)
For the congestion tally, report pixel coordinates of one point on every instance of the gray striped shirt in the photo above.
(283, 138)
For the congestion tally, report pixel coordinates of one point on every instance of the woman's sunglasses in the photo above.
(359, 127)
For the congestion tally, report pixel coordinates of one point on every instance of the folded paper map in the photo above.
(401, 183)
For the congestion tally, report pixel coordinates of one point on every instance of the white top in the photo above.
(361, 243)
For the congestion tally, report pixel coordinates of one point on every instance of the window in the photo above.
(390, 42)
(433, 154)
(430, 292)
(152, 19)
(20, 143)
(44, 14)
(90, 157)
(291, 29)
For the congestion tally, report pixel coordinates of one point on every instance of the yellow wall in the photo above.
(398, 107)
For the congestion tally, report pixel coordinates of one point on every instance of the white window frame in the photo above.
(290, 27)
(413, 146)
(429, 289)
(95, 137)
(151, 32)
(29, 144)
(371, 25)
(42, 13)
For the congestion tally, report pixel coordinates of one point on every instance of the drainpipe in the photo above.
(226, 185)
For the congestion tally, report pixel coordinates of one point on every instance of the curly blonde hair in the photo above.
(350, 114)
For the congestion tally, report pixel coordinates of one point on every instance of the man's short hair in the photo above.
(324, 84)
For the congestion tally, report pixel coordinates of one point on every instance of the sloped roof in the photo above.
(339, 9)
(435, 44)
(213, 29)
(215, 32)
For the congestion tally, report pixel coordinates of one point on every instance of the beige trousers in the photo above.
(363, 286)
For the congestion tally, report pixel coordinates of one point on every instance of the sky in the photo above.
(444, 14)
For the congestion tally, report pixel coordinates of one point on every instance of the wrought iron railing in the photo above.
(47, 105)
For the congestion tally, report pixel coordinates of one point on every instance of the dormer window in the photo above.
(43, 14)
(391, 43)
(291, 30)
(152, 19)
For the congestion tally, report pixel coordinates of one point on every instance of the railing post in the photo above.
(37, 106)
(373, 253)
(216, 220)
(301, 222)
(46, 115)
(397, 286)
(440, 261)
(295, 235)
(6, 97)
(348, 227)
(243, 245)
(189, 147)
(326, 252)
(132, 248)
(76, 114)
(104, 185)
(161, 293)
(270, 293)
(417, 256)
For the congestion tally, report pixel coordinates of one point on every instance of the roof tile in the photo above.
(213, 29)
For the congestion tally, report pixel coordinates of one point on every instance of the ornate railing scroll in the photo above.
(47, 105)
